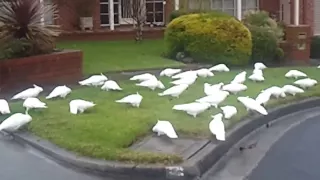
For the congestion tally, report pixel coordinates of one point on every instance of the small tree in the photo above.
(139, 17)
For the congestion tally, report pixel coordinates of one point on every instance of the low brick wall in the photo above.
(109, 35)
(57, 68)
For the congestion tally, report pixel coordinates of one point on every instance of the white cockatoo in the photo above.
(217, 128)
(94, 80)
(193, 108)
(252, 104)
(79, 106)
(220, 68)
(4, 107)
(165, 128)
(111, 85)
(133, 99)
(174, 91)
(30, 92)
(59, 91)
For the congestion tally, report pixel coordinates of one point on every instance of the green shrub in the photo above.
(264, 45)
(266, 35)
(262, 19)
(16, 48)
(20, 21)
(315, 47)
(210, 38)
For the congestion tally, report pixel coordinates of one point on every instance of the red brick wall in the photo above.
(309, 14)
(60, 68)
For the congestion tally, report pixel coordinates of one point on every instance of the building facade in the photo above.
(114, 14)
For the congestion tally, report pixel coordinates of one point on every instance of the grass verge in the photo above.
(102, 56)
(107, 130)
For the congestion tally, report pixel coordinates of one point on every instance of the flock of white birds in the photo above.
(215, 94)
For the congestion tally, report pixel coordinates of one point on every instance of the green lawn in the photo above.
(109, 128)
(103, 56)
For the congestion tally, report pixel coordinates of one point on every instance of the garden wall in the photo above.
(57, 68)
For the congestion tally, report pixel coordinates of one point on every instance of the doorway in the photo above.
(285, 11)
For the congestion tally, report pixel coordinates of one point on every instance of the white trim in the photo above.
(42, 15)
(111, 15)
(239, 9)
(176, 4)
(296, 12)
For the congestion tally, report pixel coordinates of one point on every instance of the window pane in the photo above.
(251, 4)
(149, 7)
(116, 8)
(158, 6)
(116, 19)
(104, 8)
(104, 19)
(228, 4)
(159, 17)
(216, 4)
(150, 17)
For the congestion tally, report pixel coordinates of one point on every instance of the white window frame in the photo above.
(244, 8)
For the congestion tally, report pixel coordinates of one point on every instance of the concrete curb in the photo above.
(194, 167)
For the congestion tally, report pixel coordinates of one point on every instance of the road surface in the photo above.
(18, 162)
(295, 157)
(288, 149)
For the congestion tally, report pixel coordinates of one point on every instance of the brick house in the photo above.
(158, 11)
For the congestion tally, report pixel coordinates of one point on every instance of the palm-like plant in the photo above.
(23, 19)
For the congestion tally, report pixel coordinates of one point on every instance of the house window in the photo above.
(48, 18)
(155, 11)
(228, 6)
(104, 12)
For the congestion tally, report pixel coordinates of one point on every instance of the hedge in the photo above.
(210, 38)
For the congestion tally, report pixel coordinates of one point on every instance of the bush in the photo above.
(315, 47)
(209, 38)
(266, 36)
(16, 48)
(262, 19)
(264, 45)
(20, 24)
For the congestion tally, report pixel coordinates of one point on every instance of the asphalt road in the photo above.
(19, 162)
(287, 150)
(295, 156)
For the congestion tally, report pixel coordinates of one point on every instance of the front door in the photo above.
(285, 11)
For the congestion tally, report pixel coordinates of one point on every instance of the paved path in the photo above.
(19, 162)
(288, 149)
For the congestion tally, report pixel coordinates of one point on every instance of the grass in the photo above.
(107, 130)
(102, 56)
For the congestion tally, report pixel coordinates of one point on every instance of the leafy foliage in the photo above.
(266, 36)
(22, 20)
(262, 19)
(209, 37)
(315, 47)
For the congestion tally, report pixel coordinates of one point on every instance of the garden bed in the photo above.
(55, 68)
(109, 129)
